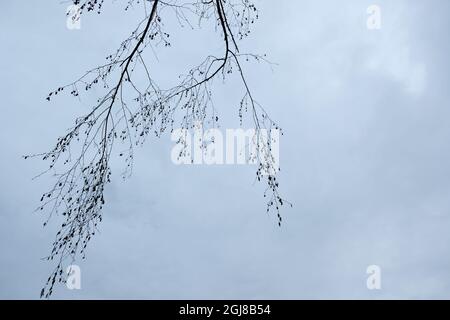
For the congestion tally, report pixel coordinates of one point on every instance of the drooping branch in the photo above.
(129, 113)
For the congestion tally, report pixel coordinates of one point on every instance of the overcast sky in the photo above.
(365, 159)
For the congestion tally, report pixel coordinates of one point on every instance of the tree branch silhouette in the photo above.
(80, 160)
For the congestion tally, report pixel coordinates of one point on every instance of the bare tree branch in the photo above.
(80, 160)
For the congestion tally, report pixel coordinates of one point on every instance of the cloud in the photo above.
(364, 160)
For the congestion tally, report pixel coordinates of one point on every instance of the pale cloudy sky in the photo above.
(365, 159)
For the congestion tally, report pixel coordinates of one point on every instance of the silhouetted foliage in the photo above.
(85, 150)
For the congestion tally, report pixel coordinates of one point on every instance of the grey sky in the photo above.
(364, 159)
